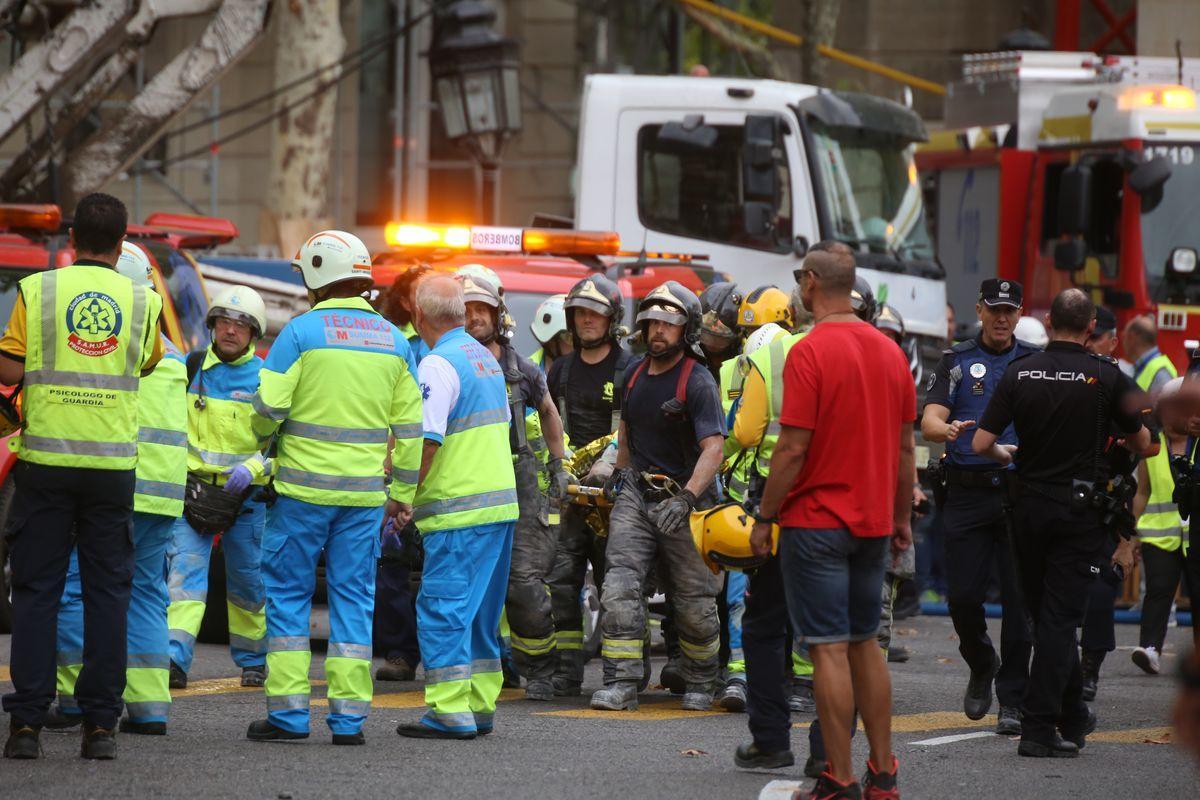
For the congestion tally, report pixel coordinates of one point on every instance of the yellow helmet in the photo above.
(765, 304)
(722, 535)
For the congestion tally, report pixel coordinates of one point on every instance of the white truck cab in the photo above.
(753, 172)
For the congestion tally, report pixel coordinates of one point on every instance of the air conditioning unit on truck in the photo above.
(752, 172)
(1061, 169)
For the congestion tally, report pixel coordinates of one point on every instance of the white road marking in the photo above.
(958, 737)
(779, 790)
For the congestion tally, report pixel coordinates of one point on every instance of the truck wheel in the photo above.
(6, 496)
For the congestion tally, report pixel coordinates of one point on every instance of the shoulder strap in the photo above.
(682, 382)
(564, 380)
(194, 360)
(964, 346)
(516, 401)
(641, 367)
(618, 387)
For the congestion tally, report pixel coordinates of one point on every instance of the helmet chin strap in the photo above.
(592, 345)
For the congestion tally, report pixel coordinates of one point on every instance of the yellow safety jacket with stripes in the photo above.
(219, 411)
(1160, 524)
(1146, 376)
(732, 380)
(337, 381)
(89, 334)
(769, 362)
(162, 437)
(471, 481)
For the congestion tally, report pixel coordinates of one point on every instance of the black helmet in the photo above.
(889, 319)
(595, 293)
(719, 305)
(676, 304)
(862, 300)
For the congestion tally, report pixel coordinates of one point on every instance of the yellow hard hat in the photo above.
(765, 304)
(722, 535)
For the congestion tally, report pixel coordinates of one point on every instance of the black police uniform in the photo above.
(1063, 404)
(975, 513)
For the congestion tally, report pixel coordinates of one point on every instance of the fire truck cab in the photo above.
(1071, 169)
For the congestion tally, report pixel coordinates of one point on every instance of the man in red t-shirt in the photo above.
(841, 487)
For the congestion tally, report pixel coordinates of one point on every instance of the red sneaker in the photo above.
(881, 785)
(827, 788)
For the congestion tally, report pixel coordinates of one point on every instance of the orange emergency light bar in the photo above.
(41, 217)
(1176, 98)
(660, 256)
(490, 239)
(196, 231)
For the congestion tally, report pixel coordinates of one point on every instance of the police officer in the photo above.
(223, 465)
(79, 338)
(668, 452)
(535, 428)
(1061, 404)
(337, 387)
(586, 384)
(974, 512)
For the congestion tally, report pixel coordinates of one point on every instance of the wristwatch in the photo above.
(755, 513)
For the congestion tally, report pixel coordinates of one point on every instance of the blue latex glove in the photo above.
(239, 479)
(390, 537)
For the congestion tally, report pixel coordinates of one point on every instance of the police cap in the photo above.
(998, 292)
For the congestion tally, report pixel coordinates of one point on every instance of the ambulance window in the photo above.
(699, 194)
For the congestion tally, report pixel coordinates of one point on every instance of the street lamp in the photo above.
(475, 77)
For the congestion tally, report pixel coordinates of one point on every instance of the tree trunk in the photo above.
(309, 36)
(820, 26)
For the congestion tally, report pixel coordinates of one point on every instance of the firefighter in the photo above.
(465, 508)
(157, 503)
(586, 385)
(719, 337)
(338, 384)
(224, 466)
(536, 439)
(668, 453)
(549, 327)
(81, 331)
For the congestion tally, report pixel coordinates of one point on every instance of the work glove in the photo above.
(389, 537)
(238, 479)
(674, 511)
(559, 479)
(614, 482)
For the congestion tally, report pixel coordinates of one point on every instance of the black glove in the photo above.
(612, 486)
(559, 480)
(674, 511)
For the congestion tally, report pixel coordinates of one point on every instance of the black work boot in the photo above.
(396, 669)
(349, 739)
(977, 701)
(142, 728)
(58, 720)
(671, 678)
(1076, 733)
(98, 743)
(255, 675)
(1059, 748)
(22, 741)
(178, 678)
(263, 730)
(751, 756)
(1089, 664)
(1008, 721)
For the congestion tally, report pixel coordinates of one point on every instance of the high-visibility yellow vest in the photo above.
(471, 480)
(769, 362)
(89, 331)
(732, 380)
(162, 437)
(1159, 362)
(219, 409)
(339, 380)
(1160, 524)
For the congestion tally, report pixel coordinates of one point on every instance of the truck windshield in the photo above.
(871, 190)
(1169, 220)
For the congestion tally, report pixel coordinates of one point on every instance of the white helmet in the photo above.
(1031, 329)
(480, 271)
(763, 337)
(331, 257)
(239, 303)
(134, 264)
(550, 319)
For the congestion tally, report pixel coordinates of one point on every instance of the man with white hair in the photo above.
(466, 510)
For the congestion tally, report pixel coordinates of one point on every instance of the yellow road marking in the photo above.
(4, 674)
(1134, 735)
(416, 699)
(648, 711)
(209, 686)
(928, 721)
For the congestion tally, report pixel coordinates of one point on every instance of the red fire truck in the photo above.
(1060, 169)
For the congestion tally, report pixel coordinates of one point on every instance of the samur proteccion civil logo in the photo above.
(94, 322)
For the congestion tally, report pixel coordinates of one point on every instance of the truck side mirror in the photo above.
(1075, 200)
(761, 152)
(1150, 175)
(1070, 254)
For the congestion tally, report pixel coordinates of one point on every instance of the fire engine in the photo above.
(1063, 169)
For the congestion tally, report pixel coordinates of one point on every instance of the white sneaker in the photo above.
(1147, 659)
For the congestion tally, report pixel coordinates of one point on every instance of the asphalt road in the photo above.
(562, 749)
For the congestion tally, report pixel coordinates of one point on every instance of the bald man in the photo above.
(1151, 369)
